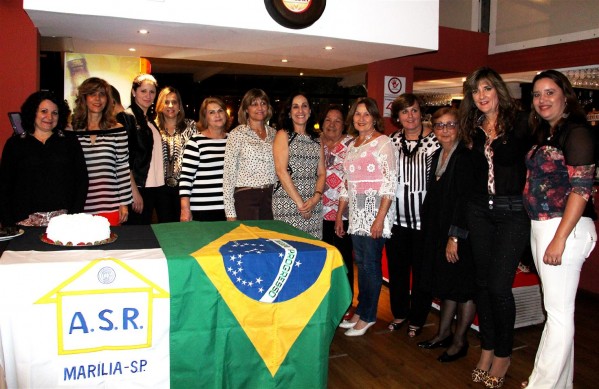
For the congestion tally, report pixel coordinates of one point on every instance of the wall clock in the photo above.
(295, 14)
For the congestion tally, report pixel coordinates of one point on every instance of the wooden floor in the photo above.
(383, 359)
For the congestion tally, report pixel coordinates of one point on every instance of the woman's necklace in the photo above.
(366, 138)
(404, 144)
(489, 129)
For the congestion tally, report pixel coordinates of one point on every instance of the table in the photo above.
(211, 305)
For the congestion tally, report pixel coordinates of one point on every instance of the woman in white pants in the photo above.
(559, 182)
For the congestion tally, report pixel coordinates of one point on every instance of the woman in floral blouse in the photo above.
(559, 183)
(370, 177)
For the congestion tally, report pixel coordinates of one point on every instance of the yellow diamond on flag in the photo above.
(272, 283)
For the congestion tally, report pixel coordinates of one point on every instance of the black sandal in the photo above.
(414, 331)
(394, 326)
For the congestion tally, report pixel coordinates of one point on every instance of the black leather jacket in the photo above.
(140, 146)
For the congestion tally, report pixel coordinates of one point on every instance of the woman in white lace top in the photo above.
(370, 176)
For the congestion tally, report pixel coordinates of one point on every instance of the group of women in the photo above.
(454, 201)
(471, 193)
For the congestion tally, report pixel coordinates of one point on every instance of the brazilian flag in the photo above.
(254, 304)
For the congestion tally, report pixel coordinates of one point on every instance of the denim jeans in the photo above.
(368, 253)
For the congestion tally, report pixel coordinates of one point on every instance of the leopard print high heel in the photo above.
(494, 382)
(479, 375)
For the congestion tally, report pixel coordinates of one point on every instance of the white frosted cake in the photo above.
(77, 229)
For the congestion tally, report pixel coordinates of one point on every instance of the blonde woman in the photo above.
(175, 131)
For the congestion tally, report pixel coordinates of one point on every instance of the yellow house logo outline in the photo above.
(56, 295)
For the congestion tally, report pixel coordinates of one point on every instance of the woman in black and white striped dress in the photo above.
(104, 144)
(201, 181)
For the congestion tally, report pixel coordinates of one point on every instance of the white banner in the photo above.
(85, 318)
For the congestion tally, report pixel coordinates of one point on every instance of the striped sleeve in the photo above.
(202, 173)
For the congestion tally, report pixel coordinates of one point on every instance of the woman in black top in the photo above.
(498, 224)
(447, 268)
(42, 170)
(146, 156)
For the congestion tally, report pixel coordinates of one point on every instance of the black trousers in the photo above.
(254, 203)
(499, 237)
(404, 259)
(155, 199)
(344, 245)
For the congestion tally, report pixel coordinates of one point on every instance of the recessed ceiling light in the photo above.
(143, 31)
(284, 60)
(328, 47)
(132, 49)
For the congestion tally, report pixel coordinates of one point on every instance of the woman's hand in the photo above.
(339, 231)
(123, 213)
(451, 251)
(553, 253)
(185, 210)
(309, 206)
(231, 219)
(185, 215)
(138, 201)
(376, 229)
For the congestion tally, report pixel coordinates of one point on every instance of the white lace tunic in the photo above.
(370, 173)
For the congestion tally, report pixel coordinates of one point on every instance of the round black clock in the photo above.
(295, 14)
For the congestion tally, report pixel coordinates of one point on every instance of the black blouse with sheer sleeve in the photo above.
(509, 152)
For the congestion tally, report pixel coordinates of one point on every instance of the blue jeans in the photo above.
(368, 253)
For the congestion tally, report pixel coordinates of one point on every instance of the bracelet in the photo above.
(317, 191)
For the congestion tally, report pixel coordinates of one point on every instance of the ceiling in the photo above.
(208, 50)
(204, 51)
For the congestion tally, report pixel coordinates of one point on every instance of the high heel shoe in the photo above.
(414, 331)
(427, 344)
(347, 324)
(494, 382)
(454, 357)
(479, 375)
(394, 325)
(355, 332)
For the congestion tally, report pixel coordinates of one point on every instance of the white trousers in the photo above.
(554, 363)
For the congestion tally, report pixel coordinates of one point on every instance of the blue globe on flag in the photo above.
(272, 270)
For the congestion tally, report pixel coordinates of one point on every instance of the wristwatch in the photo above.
(455, 239)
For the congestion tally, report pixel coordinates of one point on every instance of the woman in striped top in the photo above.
(201, 180)
(104, 144)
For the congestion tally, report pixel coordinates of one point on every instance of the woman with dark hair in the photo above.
(447, 269)
(175, 131)
(561, 167)
(335, 141)
(104, 144)
(201, 184)
(498, 224)
(42, 170)
(249, 173)
(146, 158)
(416, 144)
(299, 163)
(370, 180)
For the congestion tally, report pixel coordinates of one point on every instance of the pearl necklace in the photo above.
(367, 137)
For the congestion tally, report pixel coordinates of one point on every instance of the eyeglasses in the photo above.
(443, 126)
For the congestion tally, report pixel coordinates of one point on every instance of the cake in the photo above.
(78, 229)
